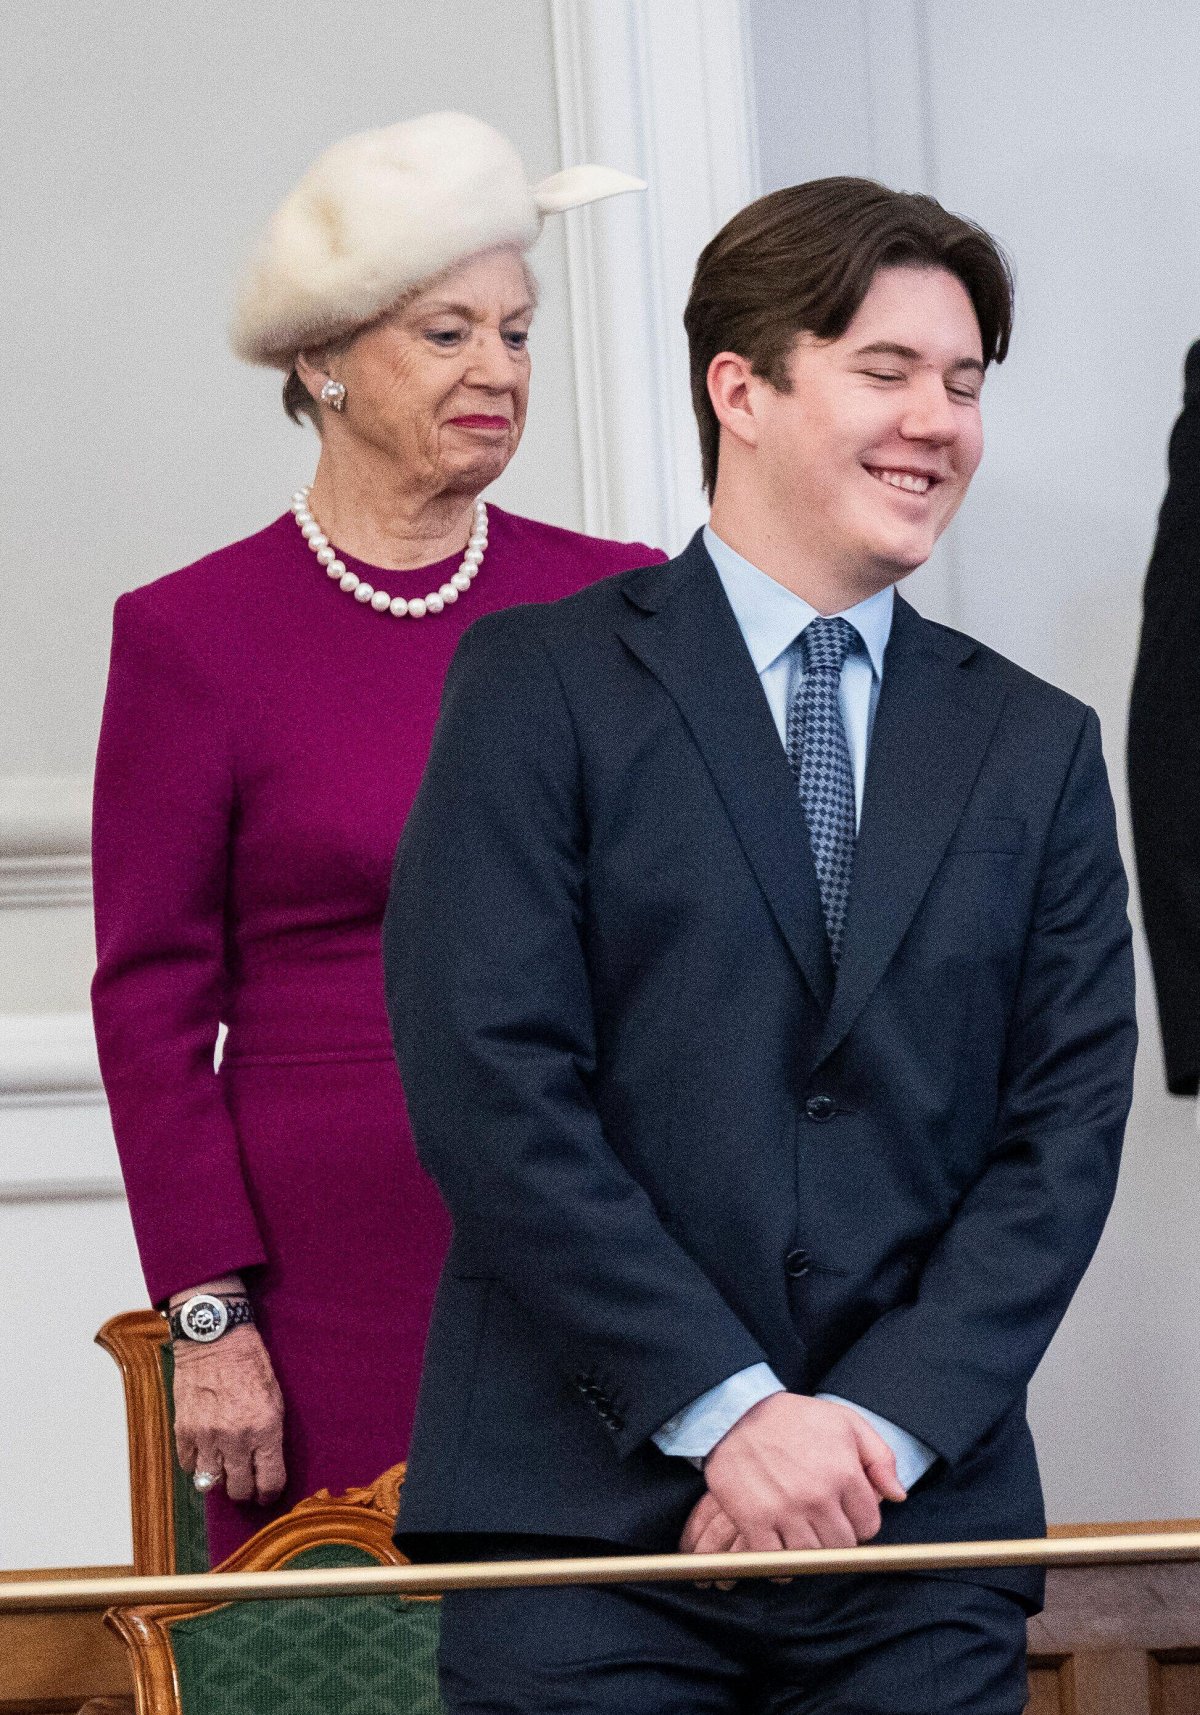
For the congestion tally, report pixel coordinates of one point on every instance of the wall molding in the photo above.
(48, 1060)
(901, 126)
(667, 93)
(898, 89)
(56, 1141)
(103, 1188)
(45, 840)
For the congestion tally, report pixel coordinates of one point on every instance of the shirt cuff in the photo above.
(694, 1432)
(913, 1457)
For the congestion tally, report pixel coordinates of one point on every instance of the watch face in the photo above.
(203, 1318)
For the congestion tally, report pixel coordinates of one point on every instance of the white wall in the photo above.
(1073, 135)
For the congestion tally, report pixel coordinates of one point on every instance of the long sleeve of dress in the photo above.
(164, 803)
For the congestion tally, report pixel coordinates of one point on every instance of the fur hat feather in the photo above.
(380, 212)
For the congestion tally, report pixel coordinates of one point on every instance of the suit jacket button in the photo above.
(820, 1107)
(797, 1263)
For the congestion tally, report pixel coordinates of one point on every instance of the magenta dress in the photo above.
(263, 737)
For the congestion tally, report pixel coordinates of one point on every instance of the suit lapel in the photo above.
(682, 628)
(932, 729)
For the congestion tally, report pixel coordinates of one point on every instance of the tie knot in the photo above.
(825, 644)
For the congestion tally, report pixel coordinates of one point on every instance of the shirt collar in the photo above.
(771, 617)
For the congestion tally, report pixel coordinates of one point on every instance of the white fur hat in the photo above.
(378, 213)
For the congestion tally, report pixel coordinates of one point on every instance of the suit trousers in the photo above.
(847, 1645)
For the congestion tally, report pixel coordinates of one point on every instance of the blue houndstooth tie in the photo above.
(820, 761)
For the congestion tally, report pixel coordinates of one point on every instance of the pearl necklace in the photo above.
(380, 600)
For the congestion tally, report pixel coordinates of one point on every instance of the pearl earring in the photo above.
(334, 393)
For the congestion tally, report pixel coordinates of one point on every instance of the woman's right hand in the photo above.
(229, 1413)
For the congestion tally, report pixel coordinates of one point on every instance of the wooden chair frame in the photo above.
(360, 1518)
(135, 1340)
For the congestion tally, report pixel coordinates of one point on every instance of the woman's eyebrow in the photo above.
(470, 312)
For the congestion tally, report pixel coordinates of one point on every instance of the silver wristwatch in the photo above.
(204, 1318)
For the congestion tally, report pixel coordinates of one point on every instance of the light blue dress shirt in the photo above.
(771, 618)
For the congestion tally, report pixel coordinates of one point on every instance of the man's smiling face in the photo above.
(872, 448)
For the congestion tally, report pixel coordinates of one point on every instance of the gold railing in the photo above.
(60, 1595)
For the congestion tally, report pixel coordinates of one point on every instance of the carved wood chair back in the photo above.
(167, 1514)
(306, 1657)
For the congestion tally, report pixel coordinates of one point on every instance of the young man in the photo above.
(761, 981)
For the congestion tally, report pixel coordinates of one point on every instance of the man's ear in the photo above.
(731, 387)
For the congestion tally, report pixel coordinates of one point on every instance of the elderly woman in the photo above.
(268, 716)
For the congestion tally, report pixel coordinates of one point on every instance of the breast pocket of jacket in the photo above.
(987, 878)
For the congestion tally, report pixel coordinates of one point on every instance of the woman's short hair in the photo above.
(802, 260)
(298, 402)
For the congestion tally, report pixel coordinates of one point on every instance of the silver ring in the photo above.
(205, 1480)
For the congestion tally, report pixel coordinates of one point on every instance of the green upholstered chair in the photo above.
(347, 1655)
(167, 1513)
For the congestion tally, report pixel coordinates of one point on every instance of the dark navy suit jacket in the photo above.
(673, 1144)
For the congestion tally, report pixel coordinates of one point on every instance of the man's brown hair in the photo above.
(802, 260)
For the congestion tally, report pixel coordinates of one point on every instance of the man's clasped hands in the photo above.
(793, 1472)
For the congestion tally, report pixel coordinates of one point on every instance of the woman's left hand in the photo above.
(229, 1414)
